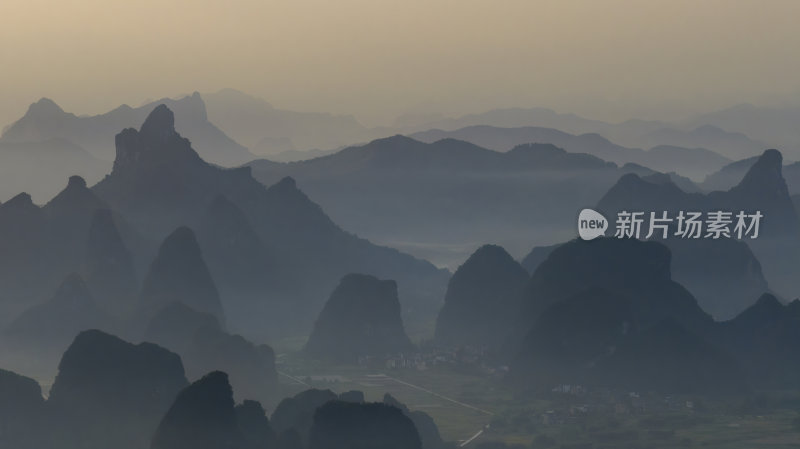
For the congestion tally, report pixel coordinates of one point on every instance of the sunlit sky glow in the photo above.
(376, 59)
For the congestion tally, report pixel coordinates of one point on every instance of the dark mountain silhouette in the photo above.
(668, 358)
(482, 298)
(180, 274)
(108, 265)
(340, 424)
(203, 416)
(628, 268)
(436, 200)
(21, 410)
(254, 426)
(694, 162)
(38, 167)
(723, 275)
(159, 183)
(45, 121)
(730, 175)
(39, 247)
(361, 318)
(765, 339)
(570, 336)
(267, 130)
(111, 393)
(762, 189)
(426, 427)
(294, 416)
(595, 338)
(22, 225)
(52, 325)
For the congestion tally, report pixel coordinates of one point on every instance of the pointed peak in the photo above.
(160, 122)
(45, 106)
(765, 175)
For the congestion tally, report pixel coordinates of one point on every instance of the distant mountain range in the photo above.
(762, 188)
(268, 131)
(694, 163)
(730, 175)
(45, 121)
(40, 167)
(273, 254)
(442, 200)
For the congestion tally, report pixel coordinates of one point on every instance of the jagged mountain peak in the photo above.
(766, 175)
(155, 144)
(159, 124)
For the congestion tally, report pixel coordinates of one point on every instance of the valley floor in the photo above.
(473, 409)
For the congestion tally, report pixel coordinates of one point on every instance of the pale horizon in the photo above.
(611, 61)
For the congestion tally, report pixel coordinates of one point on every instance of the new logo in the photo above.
(591, 224)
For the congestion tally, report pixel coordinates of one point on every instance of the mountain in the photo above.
(731, 174)
(51, 325)
(21, 410)
(294, 415)
(339, 424)
(629, 268)
(361, 318)
(254, 426)
(764, 338)
(268, 131)
(203, 416)
(761, 189)
(41, 246)
(38, 167)
(426, 427)
(175, 325)
(111, 393)
(517, 118)
(594, 339)
(159, 183)
(733, 145)
(251, 367)
(437, 200)
(108, 266)
(204, 347)
(723, 275)
(22, 225)
(179, 274)
(45, 121)
(773, 125)
(606, 313)
(481, 299)
(695, 162)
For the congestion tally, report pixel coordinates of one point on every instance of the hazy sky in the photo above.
(376, 59)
